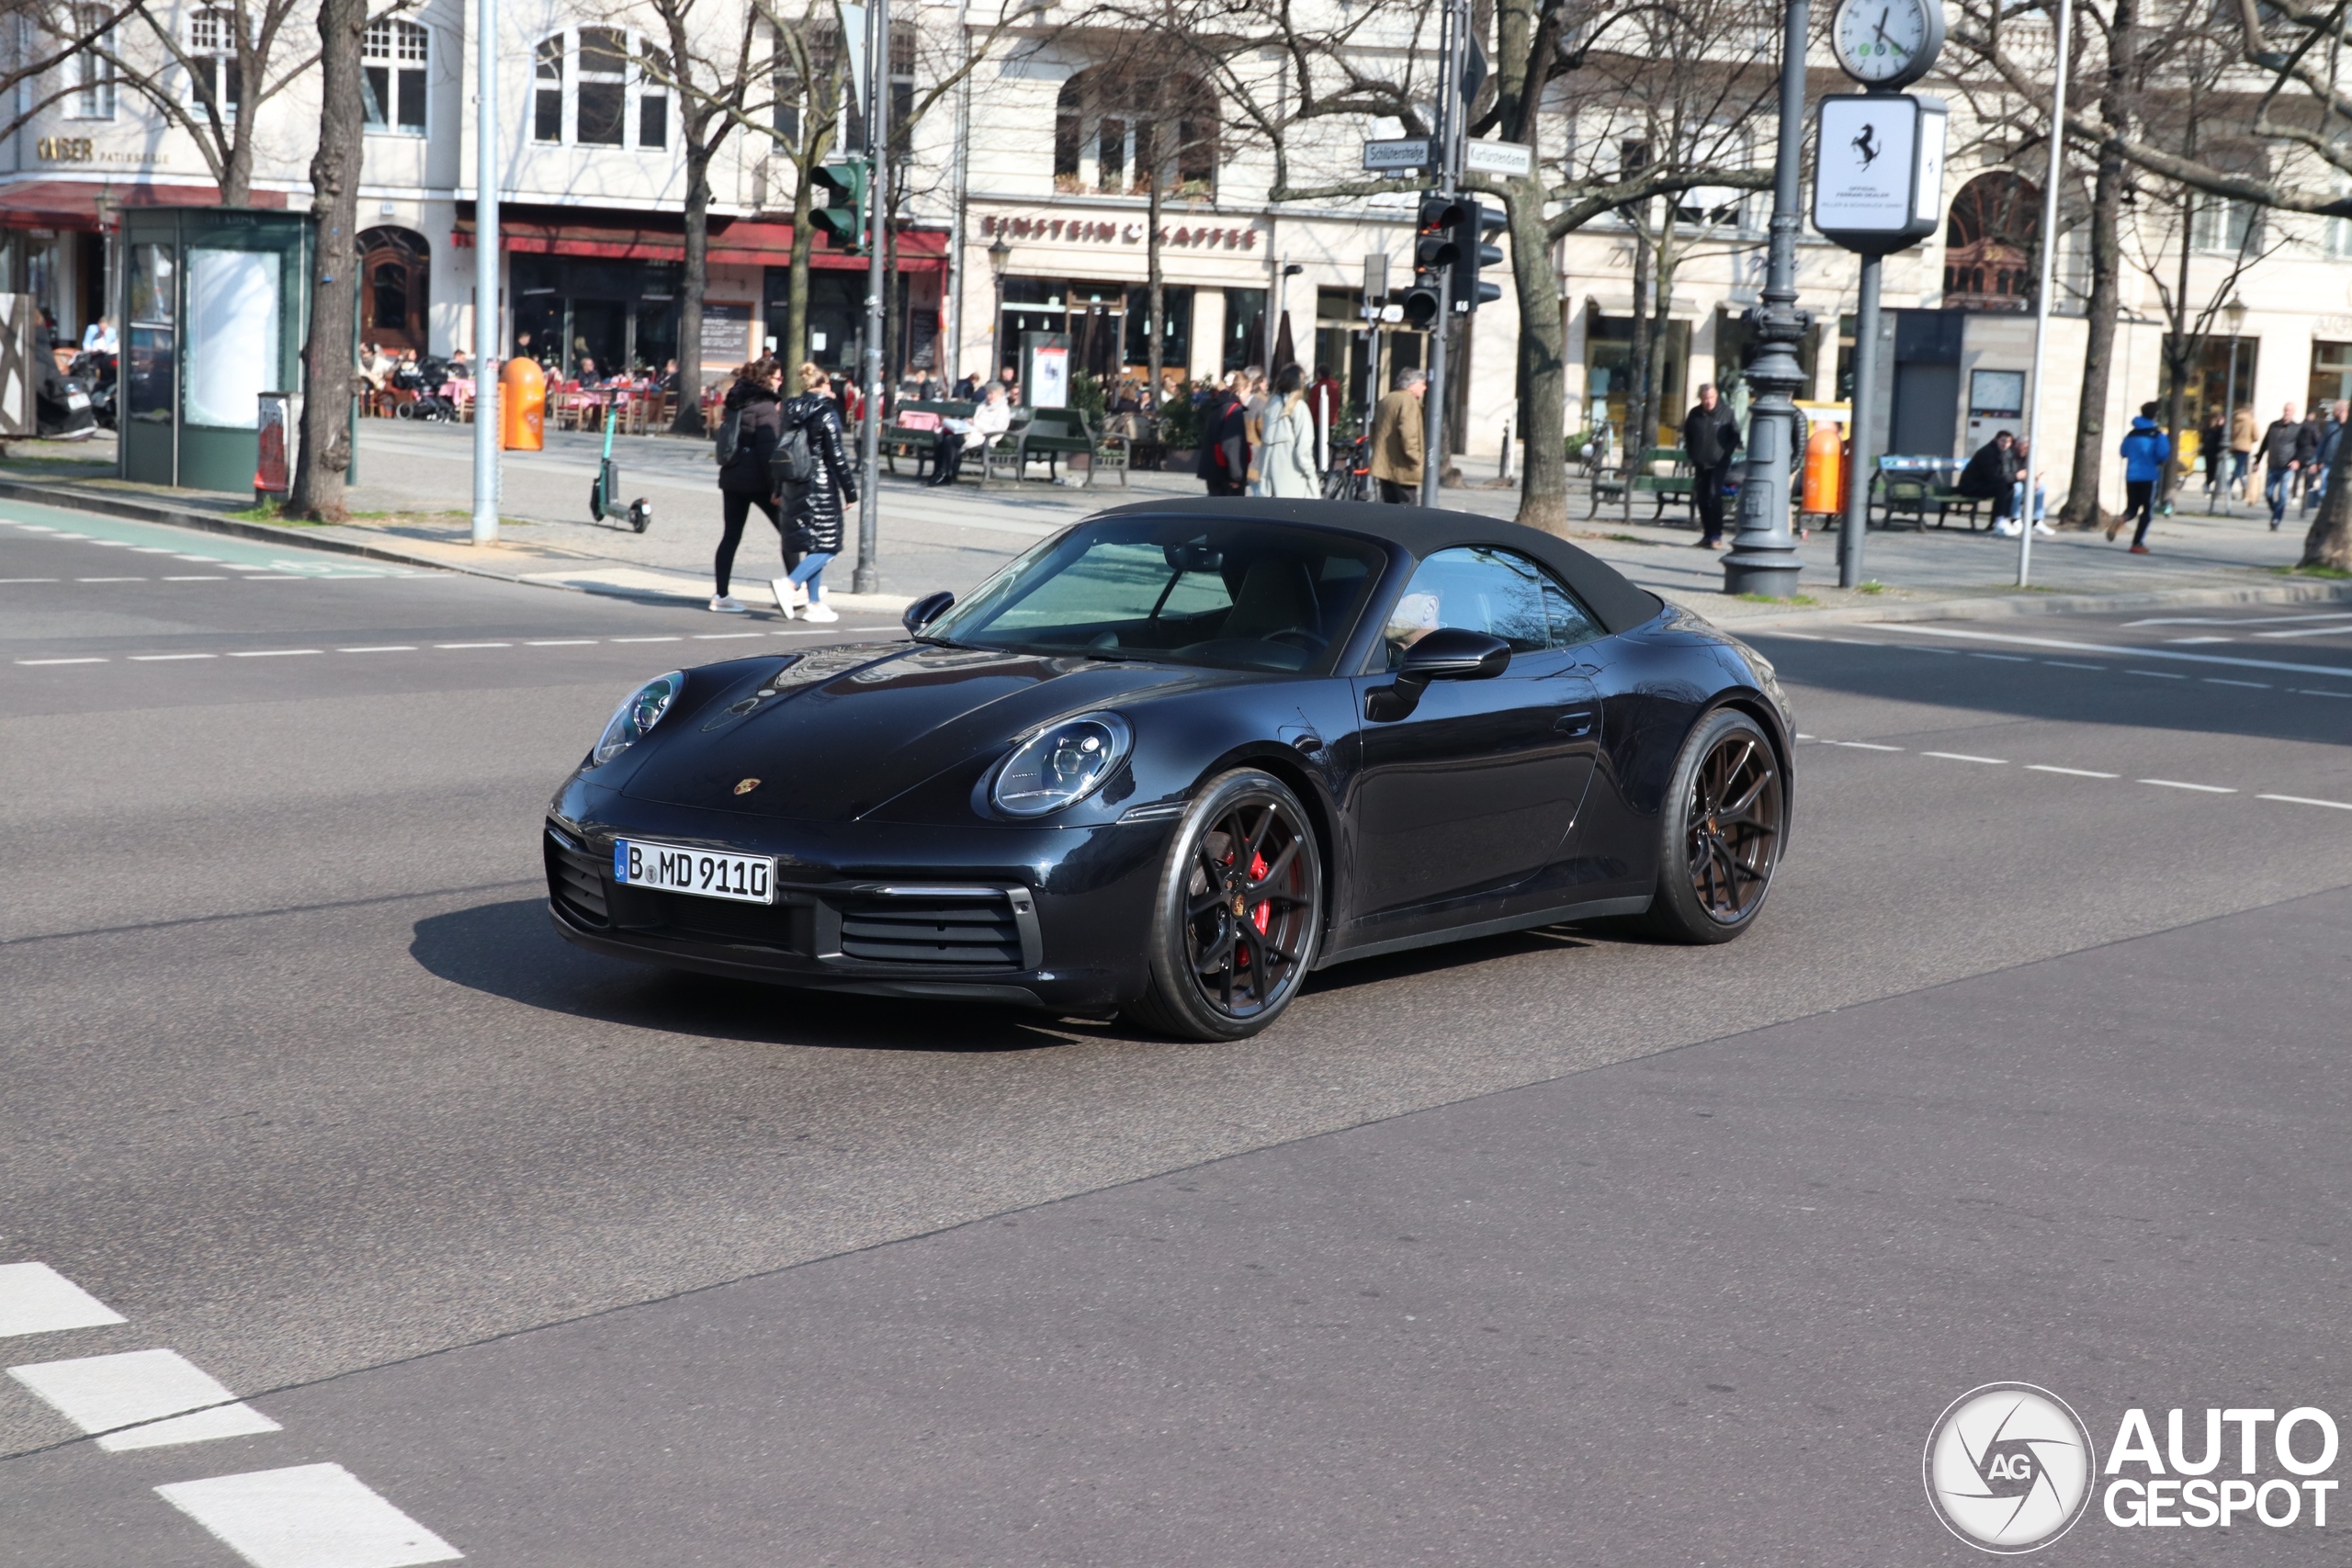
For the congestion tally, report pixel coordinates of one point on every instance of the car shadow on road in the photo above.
(509, 950)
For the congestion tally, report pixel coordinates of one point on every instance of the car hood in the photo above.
(844, 730)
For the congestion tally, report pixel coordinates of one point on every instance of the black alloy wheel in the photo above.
(1723, 828)
(1240, 912)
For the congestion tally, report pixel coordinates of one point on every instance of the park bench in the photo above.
(1664, 475)
(1916, 489)
(1048, 435)
(919, 439)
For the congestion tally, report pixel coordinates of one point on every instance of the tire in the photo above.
(1721, 829)
(1230, 943)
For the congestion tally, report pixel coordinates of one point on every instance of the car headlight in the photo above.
(1060, 764)
(634, 718)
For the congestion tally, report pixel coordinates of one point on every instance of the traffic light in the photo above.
(840, 190)
(1472, 254)
(1435, 257)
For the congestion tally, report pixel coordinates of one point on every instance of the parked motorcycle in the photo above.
(97, 371)
(62, 408)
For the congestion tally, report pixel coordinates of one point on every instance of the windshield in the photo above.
(1234, 596)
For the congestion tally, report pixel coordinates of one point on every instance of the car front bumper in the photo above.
(1042, 917)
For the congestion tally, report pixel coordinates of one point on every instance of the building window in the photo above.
(213, 78)
(1114, 132)
(393, 56)
(600, 66)
(94, 77)
(2226, 228)
(1991, 238)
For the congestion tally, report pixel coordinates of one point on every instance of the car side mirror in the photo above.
(1455, 653)
(925, 610)
(1450, 653)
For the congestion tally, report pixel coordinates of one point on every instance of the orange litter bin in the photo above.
(521, 406)
(1824, 469)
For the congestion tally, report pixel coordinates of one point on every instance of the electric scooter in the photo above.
(603, 504)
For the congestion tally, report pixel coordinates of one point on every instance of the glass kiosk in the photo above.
(215, 301)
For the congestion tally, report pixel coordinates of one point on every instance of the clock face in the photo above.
(1887, 42)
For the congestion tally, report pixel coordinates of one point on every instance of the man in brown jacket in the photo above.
(1397, 440)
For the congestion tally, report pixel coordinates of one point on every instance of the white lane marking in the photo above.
(1948, 652)
(2005, 658)
(473, 645)
(648, 639)
(2202, 789)
(563, 642)
(37, 1299)
(59, 533)
(1853, 642)
(309, 1516)
(109, 579)
(1964, 756)
(1804, 737)
(28, 580)
(2218, 680)
(1917, 630)
(1862, 745)
(168, 657)
(206, 561)
(382, 647)
(2157, 675)
(2069, 664)
(2307, 692)
(274, 653)
(2187, 640)
(152, 550)
(101, 1393)
(37, 528)
(2310, 631)
(60, 661)
(112, 544)
(216, 577)
(2307, 800)
(2240, 620)
(2070, 772)
(723, 636)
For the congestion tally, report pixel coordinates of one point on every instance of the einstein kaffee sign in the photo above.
(1113, 231)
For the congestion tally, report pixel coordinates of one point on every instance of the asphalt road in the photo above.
(1553, 1249)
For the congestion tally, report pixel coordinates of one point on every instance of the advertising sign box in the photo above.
(1878, 171)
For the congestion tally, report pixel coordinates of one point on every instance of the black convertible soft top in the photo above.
(1424, 531)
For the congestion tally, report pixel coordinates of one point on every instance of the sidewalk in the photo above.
(416, 481)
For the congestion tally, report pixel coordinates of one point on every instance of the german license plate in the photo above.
(745, 879)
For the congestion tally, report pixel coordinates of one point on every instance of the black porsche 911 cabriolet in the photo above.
(1178, 756)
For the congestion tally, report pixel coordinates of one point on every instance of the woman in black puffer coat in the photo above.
(743, 480)
(812, 510)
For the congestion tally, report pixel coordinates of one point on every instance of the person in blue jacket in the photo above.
(2146, 451)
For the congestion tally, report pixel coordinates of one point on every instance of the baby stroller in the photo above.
(424, 377)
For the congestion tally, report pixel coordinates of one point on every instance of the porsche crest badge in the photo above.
(747, 786)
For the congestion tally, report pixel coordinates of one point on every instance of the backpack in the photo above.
(795, 460)
(730, 436)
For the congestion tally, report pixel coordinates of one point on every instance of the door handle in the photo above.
(1575, 722)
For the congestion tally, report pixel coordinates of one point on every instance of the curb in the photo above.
(1993, 608)
(138, 511)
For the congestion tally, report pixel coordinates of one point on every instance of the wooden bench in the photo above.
(1677, 484)
(1048, 435)
(1918, 496)
(898, 441)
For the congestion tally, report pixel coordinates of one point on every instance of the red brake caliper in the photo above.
(1263, 914)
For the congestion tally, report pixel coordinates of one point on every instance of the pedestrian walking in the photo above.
(2307, 477)
(2213, 443)
(2244, 435)
(1396, 439)
(2145, 449)
(748, 429)
(1286, 464)
(1710, 435)
(814, 477)
(1223, 463)
(2287, 445)
(2331, 436)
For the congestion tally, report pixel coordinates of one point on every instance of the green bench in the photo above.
(1675, 484)
(1918, 497)
(899, 441)
(1047, 436)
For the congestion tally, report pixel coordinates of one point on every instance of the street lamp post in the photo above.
(2030, 514)
(999, 258)
(867, 578)
(2234, 314)
(1763, 556)
(486, 247)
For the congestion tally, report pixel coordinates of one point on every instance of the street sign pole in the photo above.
(486, 249)
(1447, 155)
(2041, 296)
(1763, 556)
(1858, 436)
(867, 578)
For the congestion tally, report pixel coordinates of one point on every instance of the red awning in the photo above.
(738, 242)
(73, 204)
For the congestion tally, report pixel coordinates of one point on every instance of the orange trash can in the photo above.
(1824, 469)
(521, 406)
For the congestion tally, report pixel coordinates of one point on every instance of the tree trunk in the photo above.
(237, 169)
(2091, 444)
(2329, 543)
(693, 283)
(1156, 352)
(1543, 361)
(1637, 395)
(1669, 260)
(324, 456)
(795, 346)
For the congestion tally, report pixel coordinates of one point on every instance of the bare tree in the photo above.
(325, 453)
(49, 38)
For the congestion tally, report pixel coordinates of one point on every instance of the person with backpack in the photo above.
(2146, 451)
(748, 431)
(813, 479)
